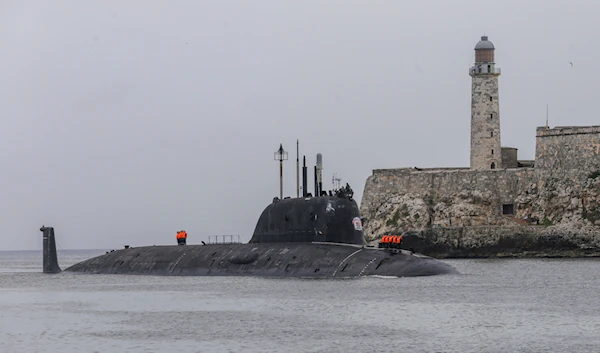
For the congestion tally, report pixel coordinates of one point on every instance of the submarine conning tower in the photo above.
(334, 219)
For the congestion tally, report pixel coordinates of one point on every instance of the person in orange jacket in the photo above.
(181, 237)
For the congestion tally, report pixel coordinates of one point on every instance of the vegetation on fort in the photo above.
(396, 216)
(594, 174)
(405, 213)
(394, 220)
(546, 222)
(591, 215)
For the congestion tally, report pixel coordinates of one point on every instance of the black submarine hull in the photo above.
(316, 260)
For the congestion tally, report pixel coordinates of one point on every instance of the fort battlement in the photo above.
(566, 148)
(415, 170)
(544, 131)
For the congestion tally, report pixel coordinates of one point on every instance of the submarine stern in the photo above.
(50, 258)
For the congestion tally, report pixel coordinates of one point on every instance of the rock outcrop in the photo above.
(465, 213)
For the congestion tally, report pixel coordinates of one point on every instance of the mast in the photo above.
(297, 168)
(280, 155)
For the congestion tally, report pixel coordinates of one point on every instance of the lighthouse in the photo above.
(486, 150)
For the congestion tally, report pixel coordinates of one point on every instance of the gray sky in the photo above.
(125, 121)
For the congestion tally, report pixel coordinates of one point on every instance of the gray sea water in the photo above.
(492, 306)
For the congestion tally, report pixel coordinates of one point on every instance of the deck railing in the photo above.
(224, 239)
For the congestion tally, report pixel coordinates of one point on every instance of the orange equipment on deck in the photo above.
(391, 241)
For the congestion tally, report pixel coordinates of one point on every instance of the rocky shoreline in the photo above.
(529, 241)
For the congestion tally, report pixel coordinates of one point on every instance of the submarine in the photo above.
(296, 237)
(307, 237)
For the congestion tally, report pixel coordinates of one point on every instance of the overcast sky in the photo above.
(125, 121)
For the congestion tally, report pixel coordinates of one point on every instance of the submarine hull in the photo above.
(323, 260)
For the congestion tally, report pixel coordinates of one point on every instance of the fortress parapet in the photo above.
(568, 149)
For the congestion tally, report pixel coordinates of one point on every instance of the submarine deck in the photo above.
(316, 259)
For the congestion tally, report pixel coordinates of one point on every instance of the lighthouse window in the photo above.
(492, 151)
(491, 116)
(491, 98)
(492, 135)
(493, 166)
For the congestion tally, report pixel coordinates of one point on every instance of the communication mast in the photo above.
(281, 155)
(297, 168)
(336, 181)
(319, 169)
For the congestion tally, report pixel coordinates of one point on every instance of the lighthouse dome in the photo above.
(484, 44)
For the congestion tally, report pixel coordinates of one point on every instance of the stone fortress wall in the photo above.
(567, 148)
(550, 206)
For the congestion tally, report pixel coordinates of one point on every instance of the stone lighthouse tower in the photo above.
(486, 151)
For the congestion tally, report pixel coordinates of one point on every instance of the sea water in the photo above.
(533, 305)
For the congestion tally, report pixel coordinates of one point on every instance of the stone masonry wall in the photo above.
(485, 122)
(562, 150)
(509, 157)
(431, 206)
(404, 199)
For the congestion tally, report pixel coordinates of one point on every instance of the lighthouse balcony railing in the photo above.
(483, 69)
